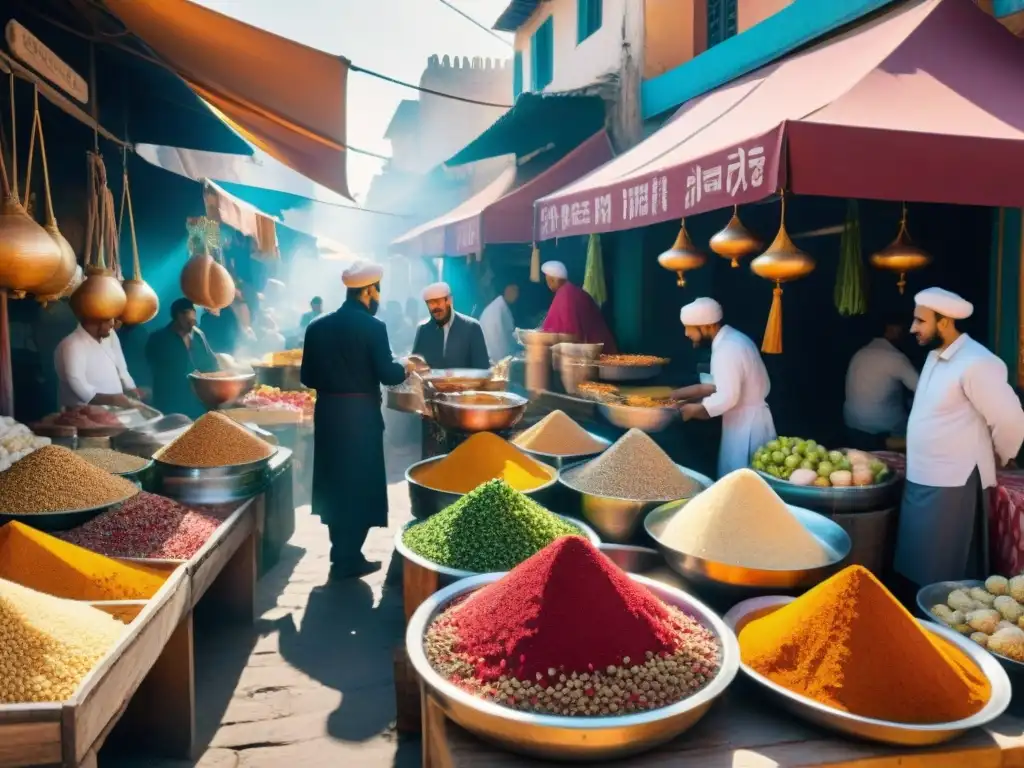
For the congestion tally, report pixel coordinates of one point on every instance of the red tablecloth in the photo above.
(1005, 516)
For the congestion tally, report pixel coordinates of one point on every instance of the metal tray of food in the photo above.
(62, 521)
(212, 485)
(860, 498)
(649, 420)
(463, 380)
(477, 411)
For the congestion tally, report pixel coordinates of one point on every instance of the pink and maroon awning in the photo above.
(920, 104)
(502, 212)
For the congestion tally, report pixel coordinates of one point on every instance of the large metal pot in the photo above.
(475, 411)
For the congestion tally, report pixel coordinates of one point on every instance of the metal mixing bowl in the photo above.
(863, 498)
(739, 582)
(575, 739)
(463, 380)
(457, 411)
(885, 731)
(217, 389)
(648, 420)
(617, 520)
(426, 501)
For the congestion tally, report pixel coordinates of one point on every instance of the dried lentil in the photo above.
(48, 644)
(54, 479)
(215, 440)
(493, 528)
(568, 633)
(634, 468)
(146, 526)
(114, 462)
(558, 435)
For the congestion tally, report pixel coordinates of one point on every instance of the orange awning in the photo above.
(283, 97)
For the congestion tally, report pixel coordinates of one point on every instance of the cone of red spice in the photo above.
(567, 606)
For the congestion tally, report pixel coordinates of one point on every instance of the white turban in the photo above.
(944, 303)
(555, 269)
(702, 311)
(361, 274)
(436, 291)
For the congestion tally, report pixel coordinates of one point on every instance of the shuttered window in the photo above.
(588, 18)
(542, 55)
(722, 20)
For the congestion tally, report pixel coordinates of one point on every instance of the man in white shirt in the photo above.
(965, 422)
(498, 325)
(876, 384)
(91, 367)
(739, 390)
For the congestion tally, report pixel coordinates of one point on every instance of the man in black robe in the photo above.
(173, 352)
(346, 358)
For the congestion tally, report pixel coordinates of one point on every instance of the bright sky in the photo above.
(393, 37)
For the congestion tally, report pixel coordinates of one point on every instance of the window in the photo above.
(722, 17)
(542, 55)
(517, 74)
(588, 18)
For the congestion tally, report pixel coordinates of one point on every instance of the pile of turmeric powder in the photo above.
(850, 645)
(484, 456)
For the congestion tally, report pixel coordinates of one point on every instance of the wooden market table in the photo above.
(744, 730)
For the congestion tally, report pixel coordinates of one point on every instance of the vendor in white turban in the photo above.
(740, 385)
(346, 359)
(449, 339)
(573, 311)
(966, 422)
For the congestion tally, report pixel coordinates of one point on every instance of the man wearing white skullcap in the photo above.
(740, 385)
(449, 339)
(573, 311)
(346, 358)
(965, 422)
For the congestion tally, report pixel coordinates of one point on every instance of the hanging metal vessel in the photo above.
(735, 241)
(141, 302)
(54, 288)
(76, 280)
(28, 255)
(682, 256)
(901, 255)
(222, 286)
(782, 261)
(195, 279)
(99, 297)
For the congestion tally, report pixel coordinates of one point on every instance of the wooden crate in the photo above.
(418, 584)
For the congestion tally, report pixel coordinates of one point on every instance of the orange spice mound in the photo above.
(484, 456)
(850, 645)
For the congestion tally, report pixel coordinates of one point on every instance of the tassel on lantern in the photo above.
(535, 264)
(772, 343)
(593, 278)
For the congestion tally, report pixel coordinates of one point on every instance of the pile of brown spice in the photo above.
(558, 435)
(114, 462)
(54, 479)
(215, 440)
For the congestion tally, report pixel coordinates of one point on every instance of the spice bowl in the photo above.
(426, 501)
(884, 731)
(617, 520)
(558, 461)
(727, 584)
(564, 738)
(649, 420)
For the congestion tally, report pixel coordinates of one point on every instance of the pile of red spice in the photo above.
(567, 632)
(146, 525)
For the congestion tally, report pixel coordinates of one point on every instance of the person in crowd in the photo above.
(175, 351)
(966, 421)
(346, 358)
(498, 325)
(316, 308)
(877, 382)
(740, 385)
(449, 339)
(53, 324)
(91, 368)
(574, 311)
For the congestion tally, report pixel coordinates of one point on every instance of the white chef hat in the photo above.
(702, 311)
(436, 291)
(945, 303)
(361, 274)
(555, 269)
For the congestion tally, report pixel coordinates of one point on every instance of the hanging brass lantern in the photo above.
(100, 296)
(901, 256)
(142, 303)
(682, 256)
(735, 241)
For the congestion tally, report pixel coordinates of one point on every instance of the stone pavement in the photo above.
(310, 684)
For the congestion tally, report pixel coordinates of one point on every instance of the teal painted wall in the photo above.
(1004, 294)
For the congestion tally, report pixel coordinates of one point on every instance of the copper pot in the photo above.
(67, 268)
(99, 297)
(141, 304)
(29, 256)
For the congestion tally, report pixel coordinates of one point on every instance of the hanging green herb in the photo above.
(850, 295)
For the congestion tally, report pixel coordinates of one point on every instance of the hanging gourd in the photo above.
(735, 241)
(782, 262)
(54, 287)
(901, 256)
(204, 280)
(682, 256)
(141, 303)
(29, 256)
(100, 296)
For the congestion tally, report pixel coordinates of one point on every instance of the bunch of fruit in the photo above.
(805, 462)
(272, 398)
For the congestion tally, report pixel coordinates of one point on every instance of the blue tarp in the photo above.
(1001, 8)
(800, 23)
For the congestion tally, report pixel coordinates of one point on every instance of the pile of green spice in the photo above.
(493, 528)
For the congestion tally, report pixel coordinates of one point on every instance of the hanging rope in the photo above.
(126, 202)
(14, 146)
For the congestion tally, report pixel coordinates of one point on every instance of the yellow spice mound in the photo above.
(48, 645)
(484, 456)
(558, 435)
(740, 520)
(215, 440)
(45, 563)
